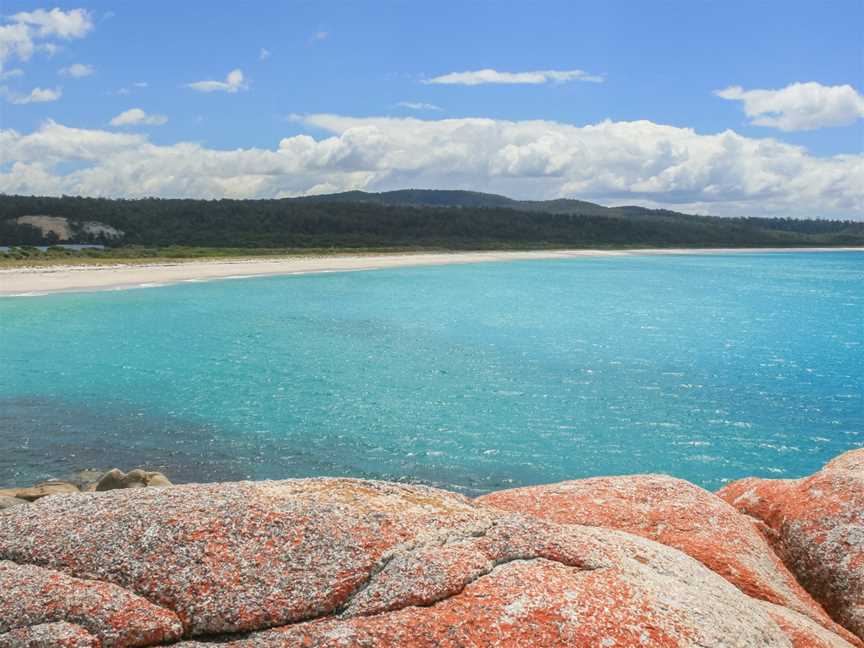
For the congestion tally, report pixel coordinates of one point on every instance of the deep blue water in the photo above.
(707, 367)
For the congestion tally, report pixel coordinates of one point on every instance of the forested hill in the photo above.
(409, 219)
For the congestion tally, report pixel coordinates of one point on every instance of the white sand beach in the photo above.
(34, 281)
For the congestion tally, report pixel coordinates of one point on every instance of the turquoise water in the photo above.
(477, 377)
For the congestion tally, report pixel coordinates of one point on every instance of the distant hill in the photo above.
(457, 198)
(411, 218)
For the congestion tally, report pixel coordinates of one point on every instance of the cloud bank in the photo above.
(799, 106)
(536, 77)
(611, 162)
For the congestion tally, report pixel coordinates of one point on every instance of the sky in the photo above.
(732, 107)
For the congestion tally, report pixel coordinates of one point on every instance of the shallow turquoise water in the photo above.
(707, 367)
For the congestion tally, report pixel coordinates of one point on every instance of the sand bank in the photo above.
(43, 280)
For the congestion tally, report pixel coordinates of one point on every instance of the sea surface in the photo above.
(471, 377)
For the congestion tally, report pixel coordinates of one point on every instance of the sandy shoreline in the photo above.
(40, 281)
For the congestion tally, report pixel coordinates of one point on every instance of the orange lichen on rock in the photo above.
(675, 513)
(49, 635)
(804, 632)
(33, 596)
(345, 562)
(235, 556)
(816, 525)
(646, 595)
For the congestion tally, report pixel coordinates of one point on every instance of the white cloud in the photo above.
(20, 32)
(77, 70)
(62, 24)
(638, 162)
(9, 74)
(480, 77)
(799, 106)
(141, 84)
(50, 49)
(15, 41)
(36, 95)
(137, 117)
(418, 105)
(232, 83)
(264, 54)
(319, 35)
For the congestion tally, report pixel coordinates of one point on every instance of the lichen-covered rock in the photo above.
(675, 513)
(236, 556)
(572, 586)
(382, 564)
(802, 631)
(816, 525)
(49, 635)
(137, 478)
(9, 502)
(32, 596)
(43, 489)
(852, 460)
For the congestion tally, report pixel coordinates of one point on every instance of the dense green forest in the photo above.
(408, 219)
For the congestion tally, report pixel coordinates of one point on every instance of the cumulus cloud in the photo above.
(319, 35)
(36, 95)
(418, 105)
(24, 33)
(610, 162)
(536, 77)
(232, 83)
(799, 106)
(63, 24)
(264, 54)
(77, 70)
(137, 117)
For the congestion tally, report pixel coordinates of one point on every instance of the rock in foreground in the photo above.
(33, 596)
(49, 635)
(350, 562)
(816, 525)
(675, 513)
(346, 562)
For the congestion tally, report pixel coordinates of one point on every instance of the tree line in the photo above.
(290, 223)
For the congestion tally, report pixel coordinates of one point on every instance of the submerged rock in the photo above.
(678, 514)
(816, 525)
(137, 478)
(33, 596)
(380, 564)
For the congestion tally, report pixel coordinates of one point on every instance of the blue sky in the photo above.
(359, 79)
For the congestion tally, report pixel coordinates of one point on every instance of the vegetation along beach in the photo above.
(435, 325)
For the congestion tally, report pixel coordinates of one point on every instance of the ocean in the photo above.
(708, 367)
